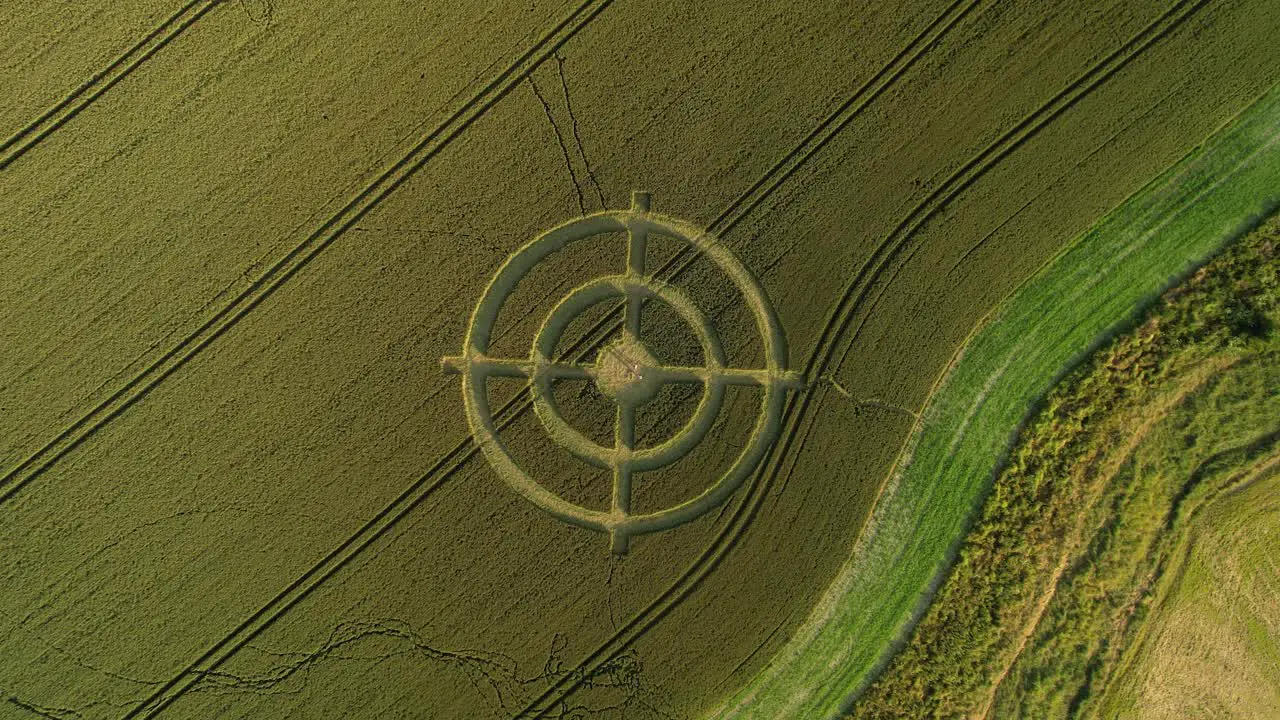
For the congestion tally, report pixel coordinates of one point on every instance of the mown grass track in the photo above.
(581, 349)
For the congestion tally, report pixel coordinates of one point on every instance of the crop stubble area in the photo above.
(144, 548)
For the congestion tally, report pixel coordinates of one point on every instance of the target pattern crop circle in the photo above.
(625, 371)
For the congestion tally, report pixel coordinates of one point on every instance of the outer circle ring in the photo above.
(480, 415)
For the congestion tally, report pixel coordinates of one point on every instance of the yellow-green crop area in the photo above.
(238, 237)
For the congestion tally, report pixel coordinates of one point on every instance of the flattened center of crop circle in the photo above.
(624, 371)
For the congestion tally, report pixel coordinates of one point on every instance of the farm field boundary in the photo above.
(1187, 596)
(48, 122)
(1057, 571)
(1215, 193)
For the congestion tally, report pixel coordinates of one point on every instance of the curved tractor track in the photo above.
(851, 301)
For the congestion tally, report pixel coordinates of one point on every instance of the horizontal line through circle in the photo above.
(536, 368)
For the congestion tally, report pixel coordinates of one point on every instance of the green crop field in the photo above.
(264, 441)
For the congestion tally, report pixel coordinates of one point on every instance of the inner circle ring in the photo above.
(571, 438)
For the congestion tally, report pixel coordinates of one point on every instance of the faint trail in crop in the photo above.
(496, 677)
(452, 461)
(577, 136)
(867, 402)
(564, 149)
(16, 145)
(301, 254)
(259, 11)
(854, 295)
(41, 711)
(759, 646)
(615, 563)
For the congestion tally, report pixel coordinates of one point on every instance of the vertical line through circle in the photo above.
(624, 444)
(637, 242)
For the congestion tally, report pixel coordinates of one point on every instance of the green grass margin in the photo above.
(1218, 192)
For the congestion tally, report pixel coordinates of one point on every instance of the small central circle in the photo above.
(624, 371)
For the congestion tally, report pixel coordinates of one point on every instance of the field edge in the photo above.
(1219, 191)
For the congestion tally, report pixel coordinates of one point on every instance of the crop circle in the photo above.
(625, 370)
